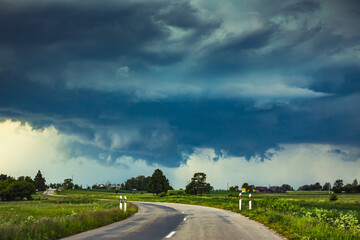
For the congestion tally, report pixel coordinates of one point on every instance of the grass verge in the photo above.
(57, 218)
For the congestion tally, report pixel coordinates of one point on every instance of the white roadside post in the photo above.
(239, 201)
(120, 202)
(125, 204)
(249, 201)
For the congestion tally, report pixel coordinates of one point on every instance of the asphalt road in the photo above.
(50, 192)
(180, 221)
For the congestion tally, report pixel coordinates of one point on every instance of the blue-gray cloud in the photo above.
(155, 79)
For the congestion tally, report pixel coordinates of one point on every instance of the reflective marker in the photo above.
(239, 201)
(249, 201)
(125, 204)
(120, 202)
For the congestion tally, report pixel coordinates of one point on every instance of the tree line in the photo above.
(158, 183)
(23, 187)
(337, 187)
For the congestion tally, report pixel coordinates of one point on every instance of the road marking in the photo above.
(184, 219)
(170, 234)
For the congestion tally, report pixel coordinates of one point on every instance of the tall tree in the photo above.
(287, 187)
(158, 183)
(198, 185)
(338, 183)
(4, 177)
(355, 182)
(39, 182)
(326, 187)
(140, 183)
(68, 183)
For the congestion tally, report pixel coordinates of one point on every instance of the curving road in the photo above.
(50, 192)
(180, 221)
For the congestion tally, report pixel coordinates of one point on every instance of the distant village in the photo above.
(271, 189)
(251, 188)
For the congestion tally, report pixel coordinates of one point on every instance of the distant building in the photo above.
(262, 189)
(113, 186)
(276, 189)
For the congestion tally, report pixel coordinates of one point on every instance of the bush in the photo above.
(333, 197)
(163, 194)
(11, 190)
(176, 192)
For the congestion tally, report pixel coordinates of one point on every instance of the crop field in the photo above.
(53, 218)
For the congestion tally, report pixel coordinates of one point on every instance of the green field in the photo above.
(295, 215)
(53, 218)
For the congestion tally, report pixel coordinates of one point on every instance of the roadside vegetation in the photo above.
(295, 214)
(303, 214)
(53, 218)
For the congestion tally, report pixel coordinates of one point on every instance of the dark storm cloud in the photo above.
(293, 35)
(57, 56)
(52, 34)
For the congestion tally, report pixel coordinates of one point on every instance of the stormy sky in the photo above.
(129, 86)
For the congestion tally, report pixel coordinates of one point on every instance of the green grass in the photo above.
(53, 218)
(295, 215)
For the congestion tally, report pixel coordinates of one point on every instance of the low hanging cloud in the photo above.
(24, 151)
(295, 164)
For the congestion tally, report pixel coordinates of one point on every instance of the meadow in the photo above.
(295, 215)
(56, 217)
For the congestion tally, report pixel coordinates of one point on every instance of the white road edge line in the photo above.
(184, 219)
(170, 234)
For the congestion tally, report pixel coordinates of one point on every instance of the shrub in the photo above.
(163, 194)
(176, 192)
(333, 197)
(11, 190)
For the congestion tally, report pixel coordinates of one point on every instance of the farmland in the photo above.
(295, 215)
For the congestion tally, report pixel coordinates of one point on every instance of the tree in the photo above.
(198, 185)
(247, 187)
(68, 183)
(355, 182)
(234, 188)
(338, 185)
(326, 187)
(287, 187)
(39, 182)
(130, 184)
(11, 190)
(304, 188)
(21, 178)
(140, 183)
(315, 187)
(158, 183)
(4, 177)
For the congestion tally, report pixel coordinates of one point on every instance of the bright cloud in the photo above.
(25, 150)
(295, 164)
